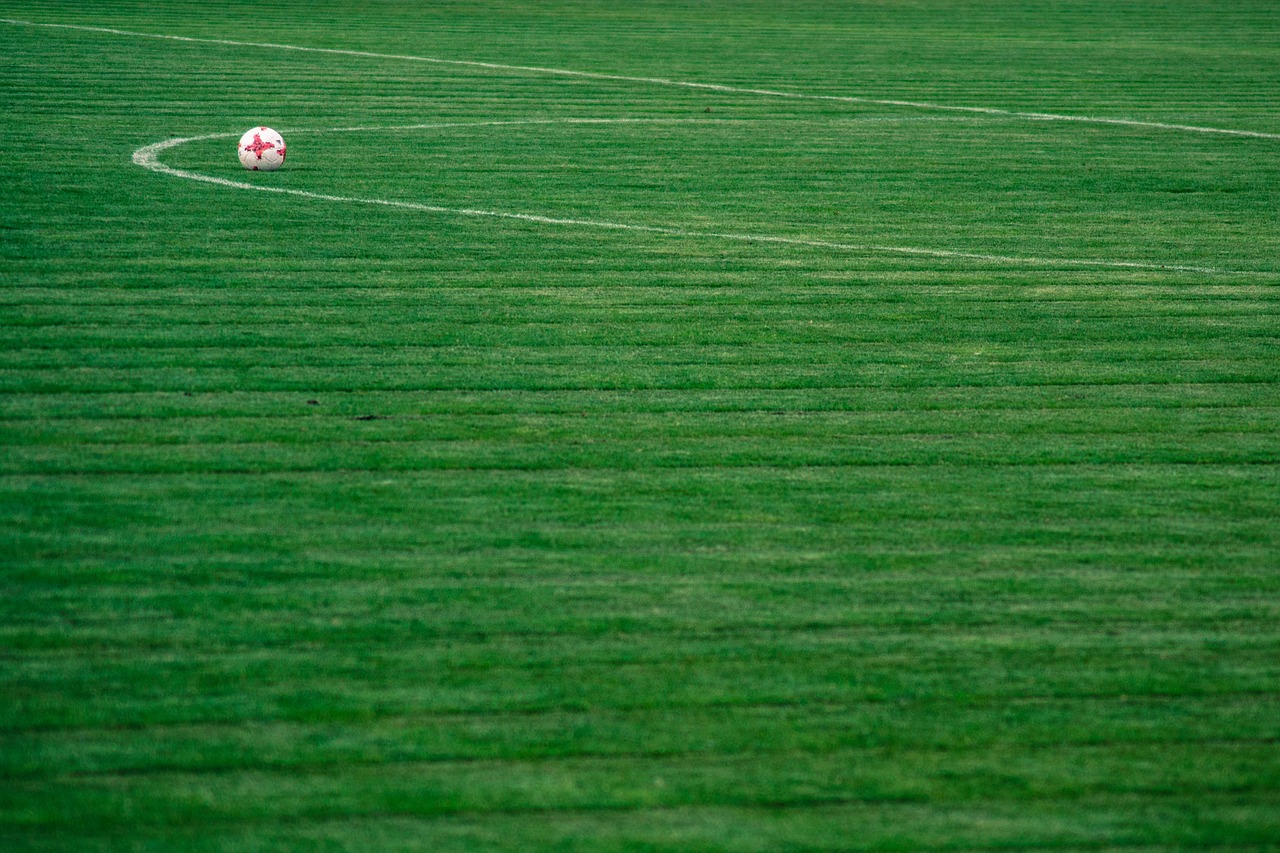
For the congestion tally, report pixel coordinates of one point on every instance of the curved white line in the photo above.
(662, 81)
(148, 157)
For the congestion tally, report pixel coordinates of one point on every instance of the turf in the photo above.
(334, 525)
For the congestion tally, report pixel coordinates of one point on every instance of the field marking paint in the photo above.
(663, 81)
(148, 157)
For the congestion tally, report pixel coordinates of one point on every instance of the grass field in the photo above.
(828, 475)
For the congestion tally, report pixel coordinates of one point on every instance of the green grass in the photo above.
(327, 525)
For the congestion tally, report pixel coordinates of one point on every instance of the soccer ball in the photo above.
(261, 149)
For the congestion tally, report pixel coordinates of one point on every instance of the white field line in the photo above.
(662, 81)
(148, 157)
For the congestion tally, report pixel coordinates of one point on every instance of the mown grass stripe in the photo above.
(662, 81)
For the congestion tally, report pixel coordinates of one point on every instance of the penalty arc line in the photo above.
(148, 157)
(663, 81)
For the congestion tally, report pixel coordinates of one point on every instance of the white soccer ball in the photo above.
(261, 149)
